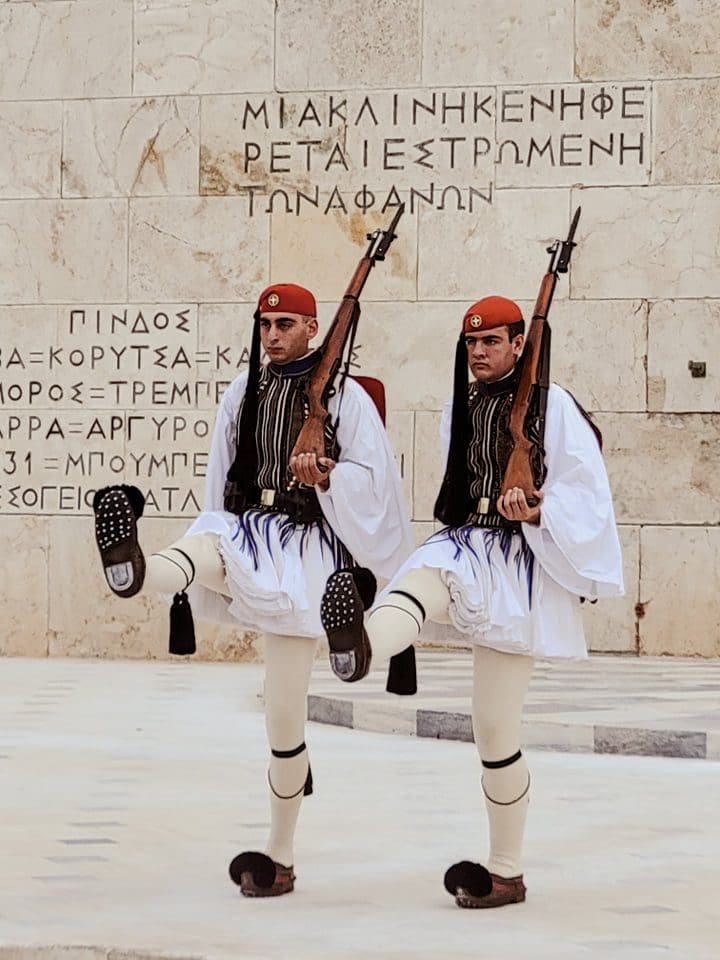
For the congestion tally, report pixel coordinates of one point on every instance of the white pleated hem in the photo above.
(500, 596)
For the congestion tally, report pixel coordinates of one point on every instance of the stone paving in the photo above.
(126, 788)
(656, 706)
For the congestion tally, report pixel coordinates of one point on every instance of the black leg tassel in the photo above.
(182, 628)
(402, 673)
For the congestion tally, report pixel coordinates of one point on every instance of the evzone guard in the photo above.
(529, 533)
(300, 480)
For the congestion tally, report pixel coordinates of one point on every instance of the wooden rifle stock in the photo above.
(534, 380)
(312, 436)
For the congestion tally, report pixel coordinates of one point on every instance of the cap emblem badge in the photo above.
(475, 321)
(273, 300)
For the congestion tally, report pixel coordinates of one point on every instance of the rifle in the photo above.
(311, 438)
(525, 467)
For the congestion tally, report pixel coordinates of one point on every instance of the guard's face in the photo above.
(286, 336)
(492, 355)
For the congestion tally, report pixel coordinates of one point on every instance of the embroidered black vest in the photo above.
(281, 412)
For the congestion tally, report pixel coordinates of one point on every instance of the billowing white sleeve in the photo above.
(222, 448)
(364, 503)
(576, 542)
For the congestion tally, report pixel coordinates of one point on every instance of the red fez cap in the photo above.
(491, 312)
(287, 298)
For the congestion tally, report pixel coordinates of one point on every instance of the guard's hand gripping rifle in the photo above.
(311, 438)
(525, 468)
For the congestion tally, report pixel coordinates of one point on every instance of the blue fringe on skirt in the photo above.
(258, 525)
(499, 538)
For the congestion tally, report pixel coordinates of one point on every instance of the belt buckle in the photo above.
(267, 497)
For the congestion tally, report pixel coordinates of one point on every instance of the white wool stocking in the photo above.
(288, 664)
(170, 572)
(500, 682)
(397, 620)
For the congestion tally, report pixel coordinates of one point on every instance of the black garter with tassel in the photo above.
(402, 673)
(182, 626)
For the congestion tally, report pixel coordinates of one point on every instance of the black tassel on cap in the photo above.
(453, 505)
(402, 673)
(244, 467)
(182, 627)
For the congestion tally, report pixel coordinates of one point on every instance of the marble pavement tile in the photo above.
(686, 146)
(678, 591)
(322, 44)
(647, 242)
(662, 466)
(63, 251)
(564, 737)
(213, 47)
(24, 592)
(196, 249)
(530, 41)
(654, 743)
(444, 725)
(65, 49)
(384, 717)
(330, 710)
(503, 244)
(131, 147)
(31, 134)
(646, 38)
(682, 332)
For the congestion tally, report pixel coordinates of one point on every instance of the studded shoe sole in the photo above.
(116, 536)
(341, 613)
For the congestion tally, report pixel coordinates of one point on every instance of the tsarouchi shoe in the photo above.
(117, 510)
(342, 615)
(258, 875)
(474, 887)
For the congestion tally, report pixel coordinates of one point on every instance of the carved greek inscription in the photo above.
(291, 154)
(126, 395)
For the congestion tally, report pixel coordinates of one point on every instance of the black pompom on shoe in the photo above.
(117, 510)
(474, 887)
(258, 875)
(469, 876)
(342, 615)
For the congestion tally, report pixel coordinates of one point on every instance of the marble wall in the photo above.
(163, 160)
